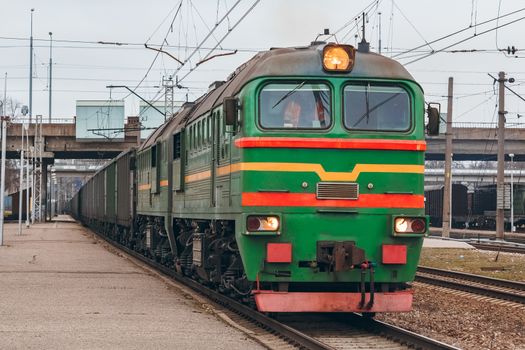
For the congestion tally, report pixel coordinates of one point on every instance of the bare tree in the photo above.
(12, 106)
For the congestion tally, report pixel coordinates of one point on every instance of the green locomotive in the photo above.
(297, 184)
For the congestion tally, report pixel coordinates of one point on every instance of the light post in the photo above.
(512, 228)
(24, 112)
(50, 71)
(21, 193)
(2, 176)
(2, 166)
(31, 69)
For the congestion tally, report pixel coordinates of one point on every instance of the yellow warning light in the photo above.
(338, 58)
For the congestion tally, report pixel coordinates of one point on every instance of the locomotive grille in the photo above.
(337, 190)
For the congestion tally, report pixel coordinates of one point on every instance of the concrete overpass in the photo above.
(477, 143)
(60, 142)
(485, 176)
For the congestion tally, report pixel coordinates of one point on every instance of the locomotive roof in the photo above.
(280, 62)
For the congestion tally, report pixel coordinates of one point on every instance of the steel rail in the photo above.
(401, 335)
(291, 335)
(498, 247)
(513, 293)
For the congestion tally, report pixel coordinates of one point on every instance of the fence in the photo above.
(486, 125)
(25, 120)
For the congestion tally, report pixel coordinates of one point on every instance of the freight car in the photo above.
(12, 205)
(8, 207)
(476, 209)
(460, 205)
(484, 207)
(297, 184)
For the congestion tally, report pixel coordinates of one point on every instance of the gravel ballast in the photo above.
(463, 320)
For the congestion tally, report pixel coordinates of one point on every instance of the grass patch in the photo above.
(507, 266)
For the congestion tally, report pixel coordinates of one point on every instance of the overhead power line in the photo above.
(124, 46)
(158, 53)
(461, 31)
(413, 26)
(208, 56)
(466, 39)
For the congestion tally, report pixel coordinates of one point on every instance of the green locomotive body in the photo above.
(296, 183)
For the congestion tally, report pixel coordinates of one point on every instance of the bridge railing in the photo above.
(487, 125)
(25, 120)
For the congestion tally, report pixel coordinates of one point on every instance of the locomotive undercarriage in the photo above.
(208, 253)
(151, 240)
(206, 250)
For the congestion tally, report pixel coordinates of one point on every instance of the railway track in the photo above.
(351, 331)
(498, 247)
(310, 331)
(477, 234)
(486, 286)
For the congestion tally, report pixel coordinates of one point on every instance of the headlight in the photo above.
(262, 223)
(410, 225)
(338, 57)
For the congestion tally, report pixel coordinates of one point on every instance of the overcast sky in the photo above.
(82, 68)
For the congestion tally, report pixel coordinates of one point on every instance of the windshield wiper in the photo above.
(288, 94)
(367, 113)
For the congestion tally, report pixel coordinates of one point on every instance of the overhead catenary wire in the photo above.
(224, 37)
(464, 40)
(369, 10)
(460, 31)
(210, 33)
(497, 22)
(163, 21)
(412, 25)
(475, 107)
(158, 53)
(352, 21)
(473, 14)
(129, 46)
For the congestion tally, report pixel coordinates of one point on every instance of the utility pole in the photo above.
(22, 165)
(37, 170)
(379, 43)
(447, 189)
(168, 95)
(500, 203)
(512, 228)
(2, 166)
(30, 113)
(2, 175)
(50, 71)
(31, 69)
(28, 174)
(20, 194)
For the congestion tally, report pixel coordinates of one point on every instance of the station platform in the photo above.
(62, 289)
(429, 242)
(468, 233)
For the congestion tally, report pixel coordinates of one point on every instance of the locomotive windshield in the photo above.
(297, 105)
(376, 107)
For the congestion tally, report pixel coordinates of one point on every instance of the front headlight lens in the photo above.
(338, 57)
(256, 223)
(410, 225)
(401, 225)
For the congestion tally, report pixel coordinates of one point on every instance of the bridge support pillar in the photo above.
(43, 193)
